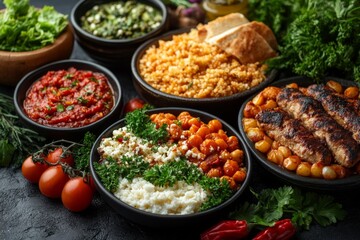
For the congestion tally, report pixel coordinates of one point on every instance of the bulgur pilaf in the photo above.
(189, 68)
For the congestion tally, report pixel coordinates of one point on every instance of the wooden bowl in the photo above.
(15, 65)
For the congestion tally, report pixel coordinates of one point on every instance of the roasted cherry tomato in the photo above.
(77, 194)
(55, 155)
(32, 171)
(133, 104)
(52, 181)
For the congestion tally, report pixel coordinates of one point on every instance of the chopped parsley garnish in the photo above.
(68, 76)
(132, 167)
(169, 173)
(74, 83)
(139, 123)
(60, 108)
(109, 173)
(82, 154)
(94, 79)
(82, 100)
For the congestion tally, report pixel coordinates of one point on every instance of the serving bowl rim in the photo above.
(289, 176)
(108, 132)
(77, 26)
(141, 50)
(41, 71)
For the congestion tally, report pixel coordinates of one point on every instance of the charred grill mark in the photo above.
(273, 118)
(312, 115)
(291, 133)
(338, 108)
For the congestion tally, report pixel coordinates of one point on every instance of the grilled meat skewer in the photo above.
(344, 148)
(338, 108)
(291, 133)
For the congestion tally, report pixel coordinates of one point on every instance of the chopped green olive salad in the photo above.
(121, 20)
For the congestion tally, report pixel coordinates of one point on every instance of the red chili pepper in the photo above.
(226, 230)
(282, 230)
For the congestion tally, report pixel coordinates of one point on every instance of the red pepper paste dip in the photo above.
(69, 98)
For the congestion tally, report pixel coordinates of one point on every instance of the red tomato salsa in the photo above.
(69, 98)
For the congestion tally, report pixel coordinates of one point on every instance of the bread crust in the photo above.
(246, 44)
(220, 25)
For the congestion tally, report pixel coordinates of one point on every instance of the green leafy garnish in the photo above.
(317, 37)
(82, 152)
(274, 204)
(132, 167)
(220, 191)
(169, 173)
(109, 173)
(60, 108)
(26, 28)
(82, 100)
(140, 124)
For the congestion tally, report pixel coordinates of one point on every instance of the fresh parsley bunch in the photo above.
(302, 208)
(317, 38)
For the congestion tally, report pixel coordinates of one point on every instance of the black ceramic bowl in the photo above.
(223, 105)
(148, 219)
(75, 133)
(111, 50)
(288, 176)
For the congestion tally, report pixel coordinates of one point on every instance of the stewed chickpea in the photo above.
(328, 173)
(304, 169)
(335, 86)
(316, 170)
(351, 92)
(263, 146)
(291, 163)
(207, 145)
(249, 123)
(255, 134)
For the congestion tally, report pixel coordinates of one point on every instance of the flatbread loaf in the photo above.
(249, 42)
(246, 44)
(220, 25)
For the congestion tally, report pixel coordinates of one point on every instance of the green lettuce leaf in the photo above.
(26, 28)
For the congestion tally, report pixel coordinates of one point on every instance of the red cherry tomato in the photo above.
(32, 171)
(77, 195)
(52, 181)
(92, 183)
(55, 155)
(133, 104)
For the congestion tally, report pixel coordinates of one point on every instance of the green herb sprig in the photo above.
(16, 141)
(109, 173)
(302, 208)
(81, 153)
(132, 167)
(140, 124)
(317, 37)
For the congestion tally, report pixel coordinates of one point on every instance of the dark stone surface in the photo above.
(26, 214)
